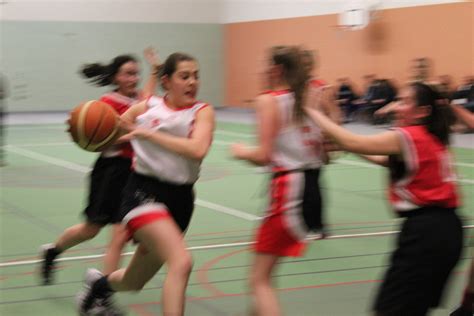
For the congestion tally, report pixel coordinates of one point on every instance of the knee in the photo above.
(182, 264)
(257, 279)
(253, 280)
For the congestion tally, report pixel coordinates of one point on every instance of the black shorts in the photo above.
(178, 199)
(107, 180)
(294, 209)
(312, 200)
(428, 248)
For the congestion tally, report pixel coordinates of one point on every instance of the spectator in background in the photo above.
(379, 93)
(446, 85)
(464, 95)
(420, 69)
(385, 94)
(346, 98)
(365, 101)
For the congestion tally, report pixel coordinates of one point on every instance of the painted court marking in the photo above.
(206, 247)
(79, 168)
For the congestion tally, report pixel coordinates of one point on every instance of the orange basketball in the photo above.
(93, 125)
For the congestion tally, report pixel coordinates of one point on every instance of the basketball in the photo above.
(93, 125)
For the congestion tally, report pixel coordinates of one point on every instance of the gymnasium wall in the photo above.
(234, 11)
(44, 43)
(442, 32)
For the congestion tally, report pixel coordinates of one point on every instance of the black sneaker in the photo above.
(461, 311)
(87, 304)
(48, 254)
(318, 234)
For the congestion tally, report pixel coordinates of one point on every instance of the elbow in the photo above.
(263, 159)
(199, 153)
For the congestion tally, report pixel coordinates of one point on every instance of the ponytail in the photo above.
(103, 75)
(295, 73)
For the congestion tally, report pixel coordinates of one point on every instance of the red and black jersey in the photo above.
(423, 175)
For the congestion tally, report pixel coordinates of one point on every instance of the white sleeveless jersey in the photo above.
(152, 159)
(297, 145)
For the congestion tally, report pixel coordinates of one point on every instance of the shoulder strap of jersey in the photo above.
(153, 101)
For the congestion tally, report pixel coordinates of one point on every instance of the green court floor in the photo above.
(43, 191)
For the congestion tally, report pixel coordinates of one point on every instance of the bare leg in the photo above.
(71, 237)
(77, 234)
(266, 302)
(114, 248)
(470, 282)
(160, 241)
(140, 270)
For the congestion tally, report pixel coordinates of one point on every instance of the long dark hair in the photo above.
(171, 64)
(295, 73)
(437, 122)
(103, 75)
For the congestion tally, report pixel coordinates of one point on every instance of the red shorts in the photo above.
(274, 238)
(283, 231)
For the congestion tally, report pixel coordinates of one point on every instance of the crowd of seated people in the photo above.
(375, 102)
(377, 94)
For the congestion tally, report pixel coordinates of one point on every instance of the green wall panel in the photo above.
(41, 59)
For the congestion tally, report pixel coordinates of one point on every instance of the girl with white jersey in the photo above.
(112, 167)
(170, 136)
(290, 144)
(422, 191)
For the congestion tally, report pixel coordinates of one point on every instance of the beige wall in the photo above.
(444, 33)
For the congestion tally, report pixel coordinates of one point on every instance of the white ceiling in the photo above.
(186, 11)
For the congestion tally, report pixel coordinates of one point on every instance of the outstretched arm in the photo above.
(386, 143)
(386, 109)
(330, 105)
(268, 121)
(154, 62)
(378, 160)
(326, 102)
(464, 115)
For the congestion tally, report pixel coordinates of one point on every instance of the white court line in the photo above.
(464, 164)
(221, 142)
(36, 127)
(51, 160)
(206, 247)
(79, 168)
(227, 210)
(63, 163)
(52, 144)
(227, 133)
